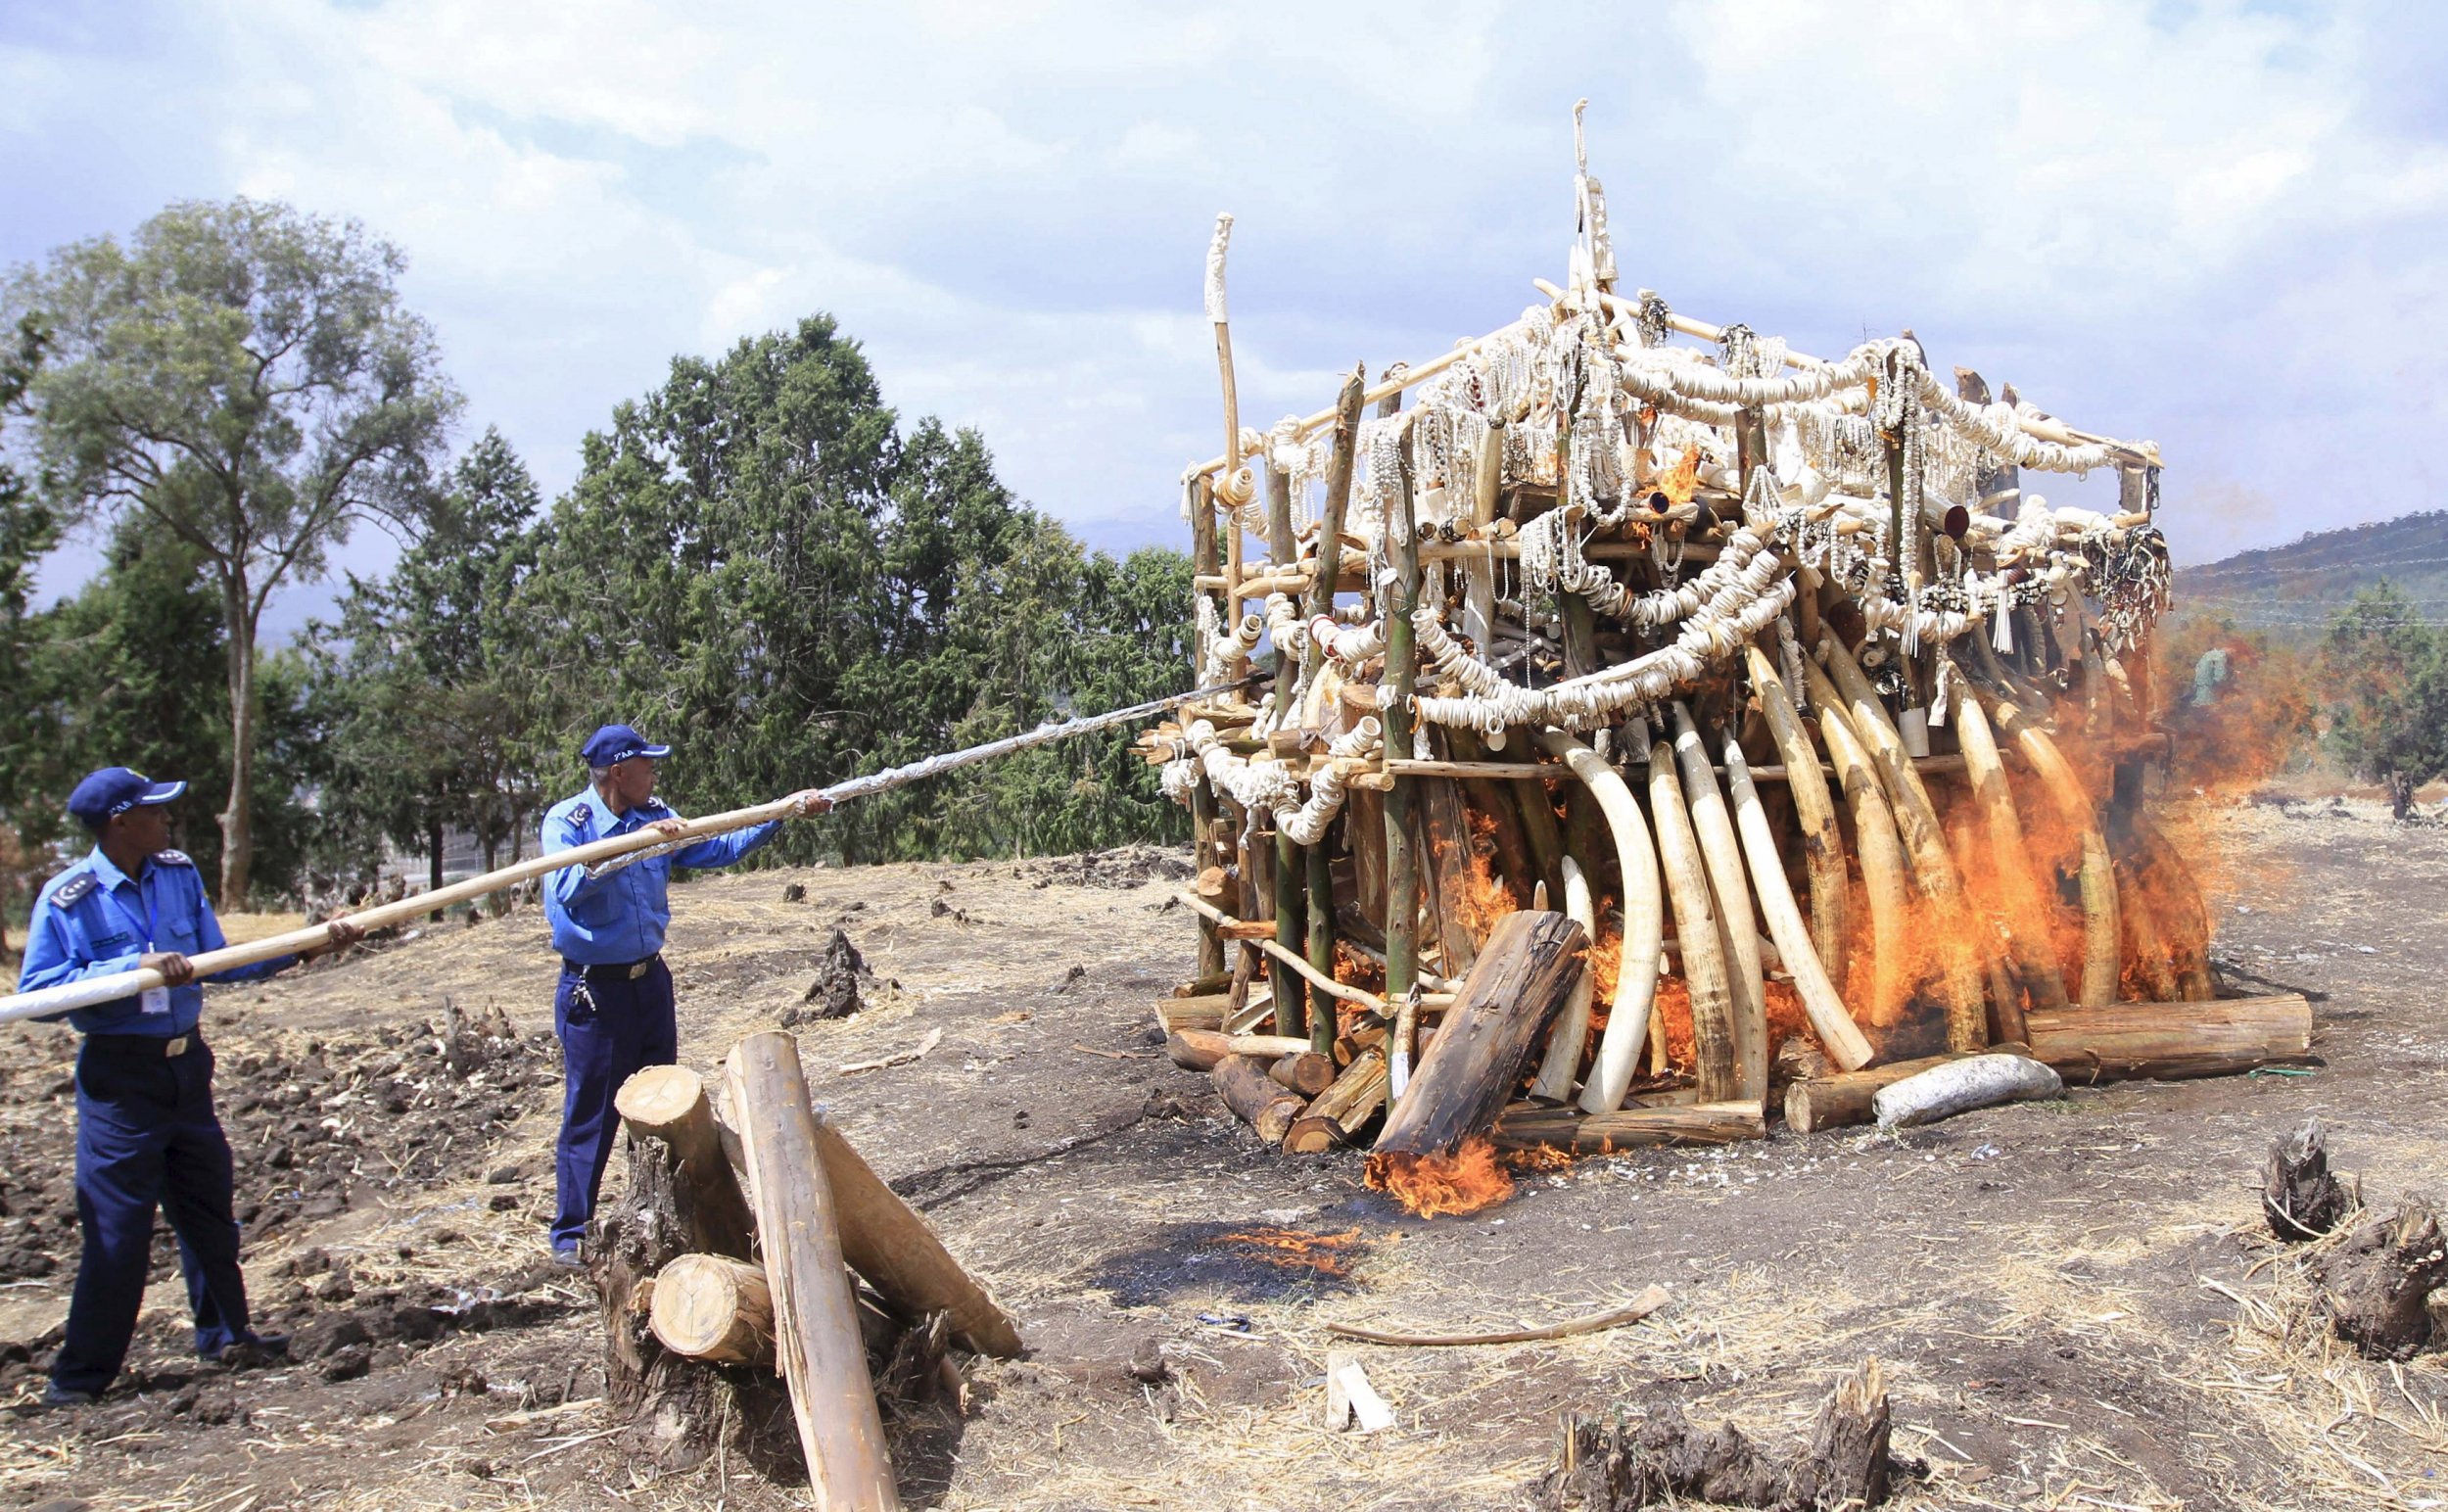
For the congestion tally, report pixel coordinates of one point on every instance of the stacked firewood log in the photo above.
(1645, 696)
(761, 1286)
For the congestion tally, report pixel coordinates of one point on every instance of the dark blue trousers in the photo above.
(146, 1136)
(611, 1026)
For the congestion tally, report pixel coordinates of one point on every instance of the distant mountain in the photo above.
(2295, 588)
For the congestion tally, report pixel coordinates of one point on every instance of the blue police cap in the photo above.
(616, 743)
(113, 791)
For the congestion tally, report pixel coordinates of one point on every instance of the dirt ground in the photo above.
(2075, 1303)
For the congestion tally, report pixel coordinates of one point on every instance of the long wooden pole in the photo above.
(1291, 870)
(94, 991)
(1340, 467)
(815, 1318)
(1206, 557)
(1395, 602)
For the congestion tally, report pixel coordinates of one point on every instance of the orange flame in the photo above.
(1485, 897)
(1465, 1181)
(1680, 484)
(1322, 1255)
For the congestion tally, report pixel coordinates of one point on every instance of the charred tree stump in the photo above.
(680, 1410)
(1626, 1466)
(1468, 1075)
(2380, 1285)
(2301, 1196)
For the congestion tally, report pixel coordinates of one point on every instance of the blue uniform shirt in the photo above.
(620, 916)
(94, 920)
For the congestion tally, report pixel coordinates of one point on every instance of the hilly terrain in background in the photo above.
(2292, 590)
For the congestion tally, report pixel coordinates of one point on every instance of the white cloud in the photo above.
(2202, 223)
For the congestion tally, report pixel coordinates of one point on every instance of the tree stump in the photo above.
(2300, 1195)
(680, 1410)
(2380, 1285)
(1626, 1466)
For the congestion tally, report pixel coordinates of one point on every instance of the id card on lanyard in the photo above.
(153, 999)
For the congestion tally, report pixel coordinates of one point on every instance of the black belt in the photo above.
(628, 972)
(151, 1047)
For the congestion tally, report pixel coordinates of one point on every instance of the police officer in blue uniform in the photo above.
(146, 1131)
(613, 1008)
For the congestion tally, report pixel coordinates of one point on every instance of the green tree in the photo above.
(414, 691)
(242, 377)
(2387, 671)
(28, 532)
(757, 564)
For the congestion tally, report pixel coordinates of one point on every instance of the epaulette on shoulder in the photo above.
(75, 888)
(171, 858)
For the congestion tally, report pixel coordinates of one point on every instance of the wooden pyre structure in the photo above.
(1766, 674)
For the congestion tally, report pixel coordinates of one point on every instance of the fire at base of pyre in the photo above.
(1431, 1186)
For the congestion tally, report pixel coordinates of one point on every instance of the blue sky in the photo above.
(2222, 226)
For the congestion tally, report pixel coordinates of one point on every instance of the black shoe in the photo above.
(253, 1351)
(56, 1395)
(567, 1259)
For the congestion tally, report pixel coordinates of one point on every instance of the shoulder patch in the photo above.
(75, 888)
(171, 858)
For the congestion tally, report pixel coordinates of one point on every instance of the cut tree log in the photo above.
(2171, 1041)
(2379, 1286)
(1261, 1102)
(1198, 1013)
(1531, 1126)
(1520, 982)
(1843, 1099)
(1960, 1086)
(2300, 1195)
(892, 1246)
(668, 1104)
(1660, 1458)
(816, 1319)
(1336, 1115)
(713, 1307)
(1197, 1050)
(1304, 1072)
(901, 1255)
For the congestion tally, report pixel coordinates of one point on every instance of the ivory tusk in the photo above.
(1695, 926)
(2185, 924)
(1925, 842)
(1571, 1026)
(1644, 924)
(1737, 924)
(1823, 843)
(1821, 1003)
(1875, 844)
(2027, 906)
(2100, 937)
